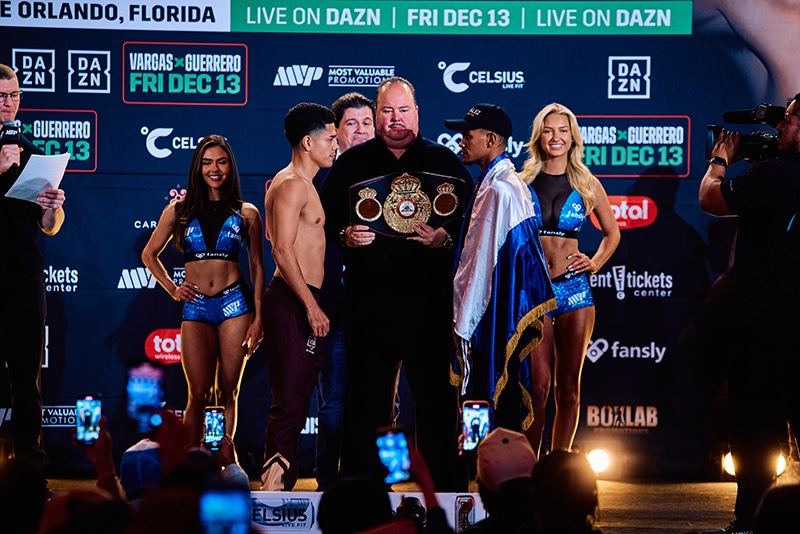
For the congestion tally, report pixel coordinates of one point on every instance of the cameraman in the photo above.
(765, 305)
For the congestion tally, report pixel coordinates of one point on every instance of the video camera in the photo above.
(9, 134)
(754, 146)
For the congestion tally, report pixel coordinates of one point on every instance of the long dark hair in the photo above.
(196, 197)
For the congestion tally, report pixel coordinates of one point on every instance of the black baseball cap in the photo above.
(487, 116)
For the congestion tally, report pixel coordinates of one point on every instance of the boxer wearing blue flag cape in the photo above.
(501, 288)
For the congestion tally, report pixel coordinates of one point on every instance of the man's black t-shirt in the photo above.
(766, 272)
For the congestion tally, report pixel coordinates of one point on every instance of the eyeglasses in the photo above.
(16, 96)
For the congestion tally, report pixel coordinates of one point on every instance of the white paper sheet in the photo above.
(40, 173)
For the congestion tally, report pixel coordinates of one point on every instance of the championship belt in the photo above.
(391, 204)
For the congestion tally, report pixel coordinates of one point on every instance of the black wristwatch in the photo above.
(716, 160)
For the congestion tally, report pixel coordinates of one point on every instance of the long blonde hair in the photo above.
(579, 176)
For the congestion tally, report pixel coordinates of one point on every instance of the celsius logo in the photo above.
(643, 284)
(506, 78)
(447, 76)
(164, 345)
(291, 514)
(599, 347)
(622, 416)
(294, 75)
(630, 212)
(154, 138)
(137, 278)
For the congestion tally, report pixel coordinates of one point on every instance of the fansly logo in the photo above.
(452, 140)
(60, 280)
(600, 346)
(160, 142)
(457, 77)
(622, 418)
(638, 284)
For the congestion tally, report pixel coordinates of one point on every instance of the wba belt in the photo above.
(391, 204)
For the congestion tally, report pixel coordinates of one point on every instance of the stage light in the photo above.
(599, 460)
(727, 464)
(781, 465)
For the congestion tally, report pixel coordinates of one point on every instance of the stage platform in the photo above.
(642, 506)
(626, 507)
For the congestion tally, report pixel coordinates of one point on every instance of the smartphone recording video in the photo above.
(88, 409)
(213, 427)
(145, 396)
(393, 453)
(475, 422)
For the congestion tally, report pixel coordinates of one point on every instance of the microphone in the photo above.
(10, 134)
(762, 114)
(744, 116)
(771, 115)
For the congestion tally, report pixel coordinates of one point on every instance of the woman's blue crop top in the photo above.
(559, 208)
(198, 237)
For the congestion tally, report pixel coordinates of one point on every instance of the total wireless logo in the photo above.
(630, 212)
(164, 345)
(458, 77)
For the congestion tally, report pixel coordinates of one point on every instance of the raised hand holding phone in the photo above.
(393, 453)
(475, 422)
(88, 410)
(145, 396)
(213, 427)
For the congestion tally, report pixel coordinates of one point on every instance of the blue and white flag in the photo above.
(501, 287)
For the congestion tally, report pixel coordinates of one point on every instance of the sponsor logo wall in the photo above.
(128, 88)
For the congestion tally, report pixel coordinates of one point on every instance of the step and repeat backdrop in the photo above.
(127, 88)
